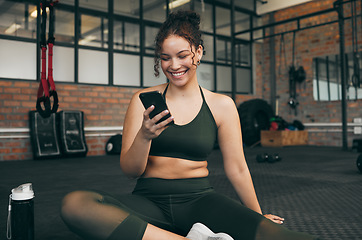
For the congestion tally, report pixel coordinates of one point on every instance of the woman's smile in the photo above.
(178, 74)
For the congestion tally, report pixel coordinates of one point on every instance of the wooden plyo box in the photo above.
(283, 138)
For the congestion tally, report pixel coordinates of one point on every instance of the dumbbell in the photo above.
(270, 158)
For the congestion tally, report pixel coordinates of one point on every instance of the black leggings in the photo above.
(173, 205)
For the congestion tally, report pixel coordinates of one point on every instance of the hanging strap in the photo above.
(293, 103)
(46, 88)
(9, 234)
(356, 68)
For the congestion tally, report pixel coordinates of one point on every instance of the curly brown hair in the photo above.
(182, 23)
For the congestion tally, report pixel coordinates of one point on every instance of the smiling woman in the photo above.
(173, 197)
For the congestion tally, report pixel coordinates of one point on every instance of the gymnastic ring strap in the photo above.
(43, 105)
(46, 112)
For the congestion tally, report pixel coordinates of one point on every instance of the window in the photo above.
(127, 7)
(205, 76)
(94, 4)
(154, 10)
(208, 47)
(223, 21)
(223, 79)
(249, 5)
(205, 11)
(242, 54)
(243, 80)
(150, 35)
(148, 73)
(94, 31)
(327, 78)
(64, 26)
(126, 36)
(223, 48)
(242, 23)
(18, 20)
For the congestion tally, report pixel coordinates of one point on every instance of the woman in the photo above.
(172, 194)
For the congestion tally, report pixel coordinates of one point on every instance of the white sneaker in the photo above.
(200, 232)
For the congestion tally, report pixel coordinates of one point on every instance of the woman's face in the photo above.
(178, 61)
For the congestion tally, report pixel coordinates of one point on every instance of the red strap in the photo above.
(43, 86)
(50, 67)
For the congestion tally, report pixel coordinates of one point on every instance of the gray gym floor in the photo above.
(317, 190)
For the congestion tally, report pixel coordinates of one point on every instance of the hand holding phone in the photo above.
(156, 99)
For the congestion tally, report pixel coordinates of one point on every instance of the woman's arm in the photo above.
(230, 142)
(236, 169)
(138, 132)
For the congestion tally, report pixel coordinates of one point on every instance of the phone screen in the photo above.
(156, 99)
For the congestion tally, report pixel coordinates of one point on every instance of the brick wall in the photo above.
(102, 106)
(311, 43)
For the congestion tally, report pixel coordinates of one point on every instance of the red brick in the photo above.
(91, 94)
(92, 117)
(6, 96)
(11, 157)
(21, 97)
(70, 99)
(11, 103)
(83, 99)
(5, 151)
(112, 100)
(6, 83)
(12, 90)
(19, 150)
(105, 94)
(22, 84)
(70, 87)
(29, 91)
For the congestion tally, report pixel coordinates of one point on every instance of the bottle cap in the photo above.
(23, 192)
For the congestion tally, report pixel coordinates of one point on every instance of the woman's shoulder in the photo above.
(217, 100)
(221, 106)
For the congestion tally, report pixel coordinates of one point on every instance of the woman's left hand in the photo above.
(274, 218)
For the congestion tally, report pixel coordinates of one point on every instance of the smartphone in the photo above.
(156, 99)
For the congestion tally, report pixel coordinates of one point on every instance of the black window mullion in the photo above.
(142, 42)
(38, 55)
(76, 40)
(337, 76)
(328, 80)
(110, 42)
(215, 48)
(317, 77)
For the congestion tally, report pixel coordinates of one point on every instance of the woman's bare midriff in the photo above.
(174, 168)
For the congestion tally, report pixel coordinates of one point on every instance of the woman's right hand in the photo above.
(150, 129)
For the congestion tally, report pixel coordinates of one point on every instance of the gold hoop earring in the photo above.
(198, 63)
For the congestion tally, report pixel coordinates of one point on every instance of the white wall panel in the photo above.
(63, 64)
(126, 70)
(93, 66)
(17, 59)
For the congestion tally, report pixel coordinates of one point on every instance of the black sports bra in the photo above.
(192, 141)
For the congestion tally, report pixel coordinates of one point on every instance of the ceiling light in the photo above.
(87, 39)
(177, 3)
(12, 28)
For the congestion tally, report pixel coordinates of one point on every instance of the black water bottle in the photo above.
(20, 224)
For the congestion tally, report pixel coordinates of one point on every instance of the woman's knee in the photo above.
(75, 204)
